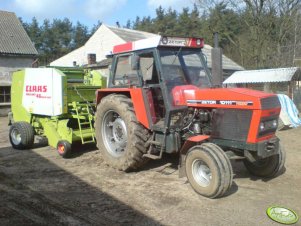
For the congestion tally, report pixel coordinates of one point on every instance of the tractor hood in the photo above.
(241, 98)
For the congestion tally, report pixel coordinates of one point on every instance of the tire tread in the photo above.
(134, 158)
(27, 135)
(223, 165)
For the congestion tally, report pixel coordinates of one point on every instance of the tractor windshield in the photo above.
(181, 66)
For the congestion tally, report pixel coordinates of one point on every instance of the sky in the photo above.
(88, 12)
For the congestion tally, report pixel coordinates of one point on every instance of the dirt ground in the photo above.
(38, 187)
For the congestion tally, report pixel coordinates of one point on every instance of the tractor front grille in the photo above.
(231, 124)
(270, 102)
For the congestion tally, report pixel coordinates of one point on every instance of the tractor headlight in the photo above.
(268, 126)
(261, 126)
(275, 123)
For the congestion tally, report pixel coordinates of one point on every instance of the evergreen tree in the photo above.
(34, 32)
(128, 24)
(80, 35)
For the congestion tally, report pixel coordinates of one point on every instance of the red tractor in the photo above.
(160, 99)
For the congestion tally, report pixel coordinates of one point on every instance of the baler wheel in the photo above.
(119, 135)
(64, 148)
(208, 170)
(21, 135)
(267, 167)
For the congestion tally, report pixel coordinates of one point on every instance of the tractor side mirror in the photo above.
(135, 62)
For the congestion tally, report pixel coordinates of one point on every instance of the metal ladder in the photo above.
(84, 118)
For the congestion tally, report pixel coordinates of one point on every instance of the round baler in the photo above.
(56, 103)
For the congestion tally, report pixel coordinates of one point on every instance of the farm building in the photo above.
(16, 51)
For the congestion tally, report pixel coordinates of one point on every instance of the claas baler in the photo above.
(56, 103)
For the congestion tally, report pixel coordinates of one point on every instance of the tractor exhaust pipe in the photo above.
(215, 39)
(217, 67)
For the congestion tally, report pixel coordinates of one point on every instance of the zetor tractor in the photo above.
(160, 99)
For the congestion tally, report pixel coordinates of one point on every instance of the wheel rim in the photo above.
(15, 136)
(61, 148)
(114, 133)
(201, 173)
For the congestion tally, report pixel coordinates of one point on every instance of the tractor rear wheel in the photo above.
(21, 135)
(208, 170)
(119, 135)
(267, 167)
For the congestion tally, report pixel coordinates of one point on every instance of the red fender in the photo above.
(191, 141)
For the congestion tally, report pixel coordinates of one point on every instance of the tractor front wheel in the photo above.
(119, 135)
(21, 135)
(208, 170)
(267, 167)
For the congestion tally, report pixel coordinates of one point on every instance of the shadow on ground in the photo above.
(38, 192)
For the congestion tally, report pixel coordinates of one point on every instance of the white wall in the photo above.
(101, 43)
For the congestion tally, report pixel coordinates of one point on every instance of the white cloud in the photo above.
(99, 9)
(174, 4)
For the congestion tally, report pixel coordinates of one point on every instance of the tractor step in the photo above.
(153, 143)
(151, 156)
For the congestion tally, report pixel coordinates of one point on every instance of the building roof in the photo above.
(264, 75)
(228, 64)
(101, 64)
(129, 35)
(13, 37)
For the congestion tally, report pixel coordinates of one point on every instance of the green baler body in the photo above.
(72, 107)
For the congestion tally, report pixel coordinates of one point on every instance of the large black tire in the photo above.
(268, 167)
(208, 170)
(119, 135)
(21, 135)
(64, 148)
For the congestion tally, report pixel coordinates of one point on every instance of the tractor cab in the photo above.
(158, 65)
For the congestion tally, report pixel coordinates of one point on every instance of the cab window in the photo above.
(125, 75)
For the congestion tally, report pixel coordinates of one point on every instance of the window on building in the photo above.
(4, 94)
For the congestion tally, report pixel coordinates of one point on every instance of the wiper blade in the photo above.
(176, 56)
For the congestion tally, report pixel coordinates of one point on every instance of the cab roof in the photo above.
(157, 41)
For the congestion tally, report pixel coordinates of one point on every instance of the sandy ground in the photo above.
(38, 187)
